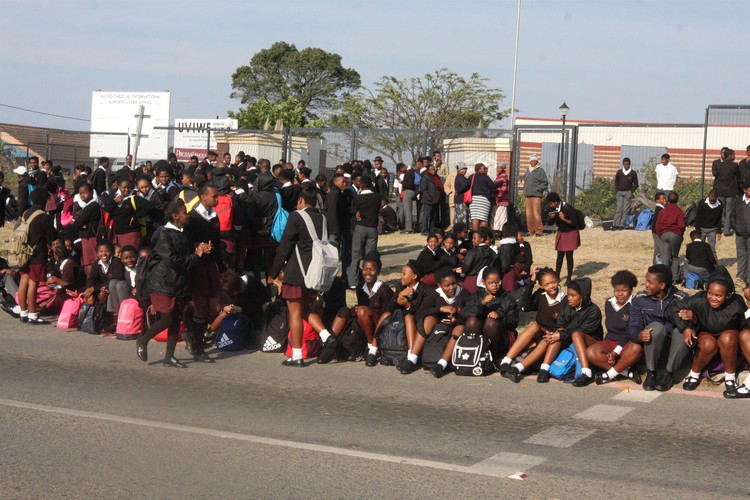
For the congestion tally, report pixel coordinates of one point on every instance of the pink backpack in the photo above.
(68, 319)
(129, 320)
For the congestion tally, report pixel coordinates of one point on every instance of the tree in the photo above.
(436, 100)
(284, 76)
(257, 115)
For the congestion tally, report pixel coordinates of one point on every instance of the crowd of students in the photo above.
(202, 238)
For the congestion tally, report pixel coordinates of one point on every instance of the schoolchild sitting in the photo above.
(428, 259)
(107, 268)
(479, 257)
(699, 257)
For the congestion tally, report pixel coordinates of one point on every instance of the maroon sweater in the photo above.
(670, 220)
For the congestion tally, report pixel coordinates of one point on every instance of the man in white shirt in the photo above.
(666, 175)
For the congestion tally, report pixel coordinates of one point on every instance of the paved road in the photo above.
(80, 416)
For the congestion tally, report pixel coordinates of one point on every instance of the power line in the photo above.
(43, 113)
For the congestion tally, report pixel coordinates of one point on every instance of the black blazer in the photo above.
(4, 195)
(98, 180)
(296, 236)
(86, 220)
(98, 278)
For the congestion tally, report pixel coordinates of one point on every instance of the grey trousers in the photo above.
(623, 205)
(670, 244)
(10, 285)
(364, 241)
(399, 213)
(710, 236)
(657, 248)
(652, 351)
(743, 254)
(700, 271)
(118, 291)
(728, 203)
(409, 197)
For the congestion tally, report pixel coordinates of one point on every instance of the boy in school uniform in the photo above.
(661, 200)
(708, 220)
(699, 257)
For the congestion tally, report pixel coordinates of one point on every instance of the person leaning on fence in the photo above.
(535, 184)
(626, 184)
(726, 184)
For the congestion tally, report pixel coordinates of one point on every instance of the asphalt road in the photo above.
(81, 416)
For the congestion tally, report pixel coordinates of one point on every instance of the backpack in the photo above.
(630, 221)
(225, 213)
(234, 333)
(310, 342)
(275, 327)
(472, 355)
(279, 221)
(66, 214)
(191, 203)
(434, 346)
(91, 318)
(580, 219)
(325, 258)
(391, 337)
(693, 281)
(643, 222)
(563, 366)
(691, 214)
(68, 319)
(129, 320)
(18, 248)
(141, 220)
(352, 345)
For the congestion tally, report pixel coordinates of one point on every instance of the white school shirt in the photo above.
(666, 176)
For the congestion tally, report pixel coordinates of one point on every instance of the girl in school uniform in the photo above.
(428, 258)
(86, 218)
(480, 256)
(126, 210)
(108, 267)
(567, 238)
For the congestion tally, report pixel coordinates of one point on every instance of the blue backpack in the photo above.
(644, 220)
(693, 281)
(234, 333)
(564, 364)
(279, 221)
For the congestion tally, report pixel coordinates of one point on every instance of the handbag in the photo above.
(467, 194)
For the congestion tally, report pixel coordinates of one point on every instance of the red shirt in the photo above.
(670, 220)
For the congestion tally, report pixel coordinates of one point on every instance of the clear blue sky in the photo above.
(632, 60)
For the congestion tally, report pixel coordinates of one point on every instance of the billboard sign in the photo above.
(191, 136)
(118, 112)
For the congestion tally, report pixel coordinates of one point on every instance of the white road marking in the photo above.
(604, 413)
(637, 396)
(500, 465)
(560, 436)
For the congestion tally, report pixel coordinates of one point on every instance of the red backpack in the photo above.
(310, 343)
(225, 213)
(129, 320)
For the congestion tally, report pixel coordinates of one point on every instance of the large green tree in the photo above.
(437, 100)
(282, 76)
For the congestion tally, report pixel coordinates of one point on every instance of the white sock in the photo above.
(371, 349)
(24, 314)
(443, 363)
(33, 316)
(296, 353)
(324, 335)
(519, 367)
(747, 381)
(506, 361)
(544, 366)
(729, 376)
(586, 371)
(412, 357)
(694, 374)
(612, 373)
(744, 389)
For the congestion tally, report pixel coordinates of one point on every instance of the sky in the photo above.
(619, 60)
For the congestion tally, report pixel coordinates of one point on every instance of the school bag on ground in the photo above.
(434, 346)
(310, 342)
(234, 333)
(691, 214)
(693, 281)
(129, 320)
(566, 364)
(275, 327)
(472, 356)
(391, 337)
(68, 319)
(325, 258)
(352, 345)
(91, 318)
(643, 221)
(18, 248)
(279, 221)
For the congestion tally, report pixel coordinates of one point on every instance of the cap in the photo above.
(534, 157)
(461, 165)
(20, 170)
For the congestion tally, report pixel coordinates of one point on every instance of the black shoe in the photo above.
(512, 374)
(298, 363)
(9, 309)
(582, 380)
(730, 385)
(437, 371)
(729, 233)
(691, 383)
(174, 362)
(650, 383)
(741, 392)
(407, 232)
(37, 321)
(664, 382)
(371, 359)
(24, 319)
(188, 342)
(543, 376)
(202, 357)
(141, 349)
(408, 367)
(504, 367)
(329, 350)
(634, 376)
(602, 378)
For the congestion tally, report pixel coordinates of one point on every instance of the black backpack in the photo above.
(472, 355)
(392, 340)
(352, 345)
(580, 219)
(91, 318)
(275, 327)
(691, 214)
(434, 346)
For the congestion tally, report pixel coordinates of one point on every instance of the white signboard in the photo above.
(191, 136)
(117, 112)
